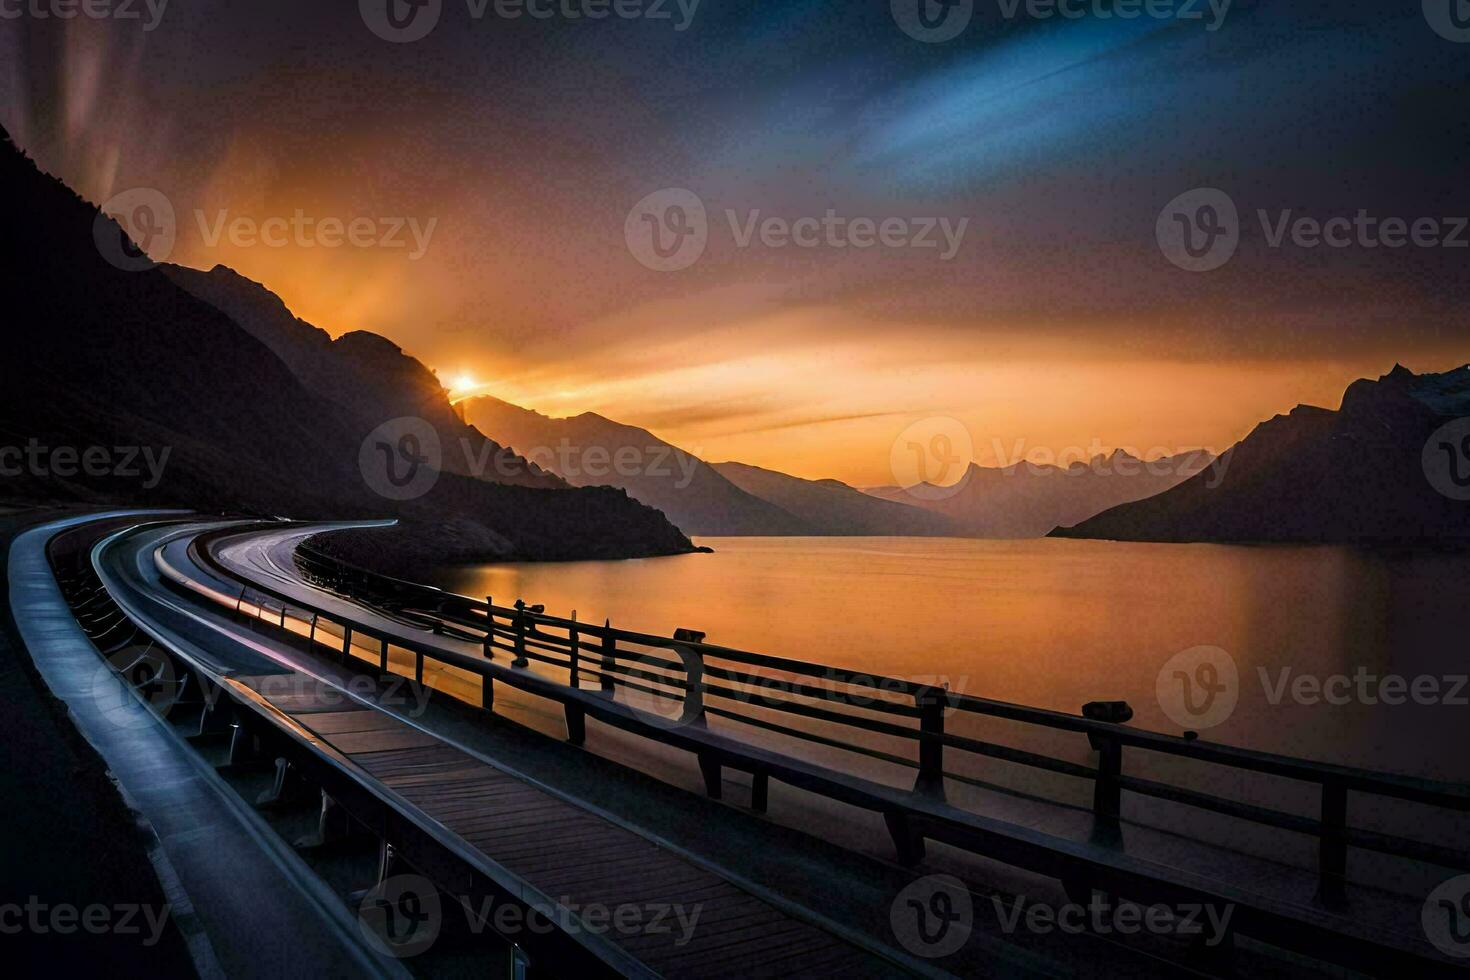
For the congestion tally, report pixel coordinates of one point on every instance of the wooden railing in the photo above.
(843, 708)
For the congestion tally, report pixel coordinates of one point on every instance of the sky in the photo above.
(1033, 174)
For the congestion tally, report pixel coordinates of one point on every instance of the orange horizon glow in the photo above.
(1036, 411)
(790, 391)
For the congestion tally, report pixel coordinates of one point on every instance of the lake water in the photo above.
(1306, 650)
(1057, 623)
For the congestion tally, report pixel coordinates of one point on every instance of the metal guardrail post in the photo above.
(931, 703)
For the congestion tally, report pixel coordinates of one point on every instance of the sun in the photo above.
(463, 382)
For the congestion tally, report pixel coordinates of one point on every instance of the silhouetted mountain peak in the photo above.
(365, 343)
(584, 449)
(1355, 474)
(252, 409)
(833, 507)
(1444, 395)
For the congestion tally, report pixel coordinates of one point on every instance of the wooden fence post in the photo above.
(520, 628)
(931, 703)
(489, 628)
(1332, 846)
(311, 634)
(609, 646)
(1107, 788)
(576, 653)
(383, 656)
(346, 641)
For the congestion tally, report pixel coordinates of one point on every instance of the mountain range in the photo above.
(249, 409)
(113, 364)
(701, 498)
(1028, 500)
(831, 507)
(589, 450)
(1381, 468)
(369, 377)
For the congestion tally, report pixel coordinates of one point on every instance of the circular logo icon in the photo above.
(667, 230)
(1446, 459)
(933, 916)
(1450, 19)
(932, 21)
(136, 229)
(665, 711)
(401, 21)
(930, 460)
(1446, 917)
(1199, 230)
(1198, 687)
(401, 916)
(400, 459)
(134, 686)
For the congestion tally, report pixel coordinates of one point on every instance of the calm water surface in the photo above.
(1057, 623)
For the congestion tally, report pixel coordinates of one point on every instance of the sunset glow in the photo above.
(1056, 324)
